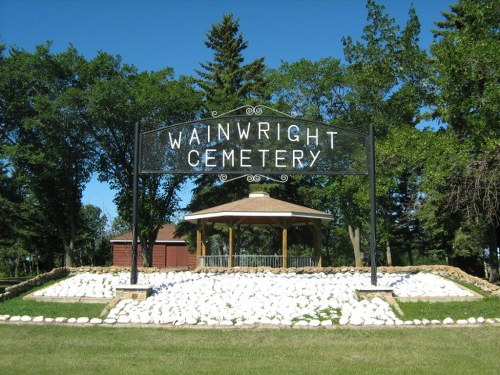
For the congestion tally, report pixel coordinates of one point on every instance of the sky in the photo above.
(154, 34)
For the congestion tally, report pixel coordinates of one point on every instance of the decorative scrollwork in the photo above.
(254, 178)
(252, 110)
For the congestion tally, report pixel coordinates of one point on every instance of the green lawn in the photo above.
(18, 306)
(487, 308)
(45, 349)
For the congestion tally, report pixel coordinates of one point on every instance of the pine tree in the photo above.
(225, 82)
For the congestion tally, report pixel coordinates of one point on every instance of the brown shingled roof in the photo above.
(165, 234)
(259, 208)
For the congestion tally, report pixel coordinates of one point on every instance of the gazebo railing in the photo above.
(273, 261)
(213, 261)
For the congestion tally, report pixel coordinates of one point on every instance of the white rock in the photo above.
(38, 319)
(95, 321)
(462, 321)
(26, 318)
(72, 320)
(435, 321)
(123, 320)
(490, 321)
(61, 319)
(472, 320)
(82, 320)
(448, 321)
(301, 323)
(109, 321)
(4, 318)
(314, 323)
(480, 320)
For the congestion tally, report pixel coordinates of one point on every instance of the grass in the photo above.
(488, 307)
(89, 350)
(18, 306)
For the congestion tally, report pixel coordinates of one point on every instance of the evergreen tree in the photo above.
(225, 82)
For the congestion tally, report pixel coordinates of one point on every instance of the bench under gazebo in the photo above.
(258, 209)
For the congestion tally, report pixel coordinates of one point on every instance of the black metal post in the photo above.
(373, 215)
(135, 192)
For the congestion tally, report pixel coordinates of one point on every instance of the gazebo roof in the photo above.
(259, 208)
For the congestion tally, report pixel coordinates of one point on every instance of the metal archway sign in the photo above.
(254, 142)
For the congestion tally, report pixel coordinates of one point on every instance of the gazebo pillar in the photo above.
(317, 242)
(284, 244)
(200, 241)
(231, 245)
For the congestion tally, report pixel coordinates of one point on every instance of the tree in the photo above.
(46, 142)
(388, 75)
(466, 60)
(117, 98)
(93, 245)
(225, 83)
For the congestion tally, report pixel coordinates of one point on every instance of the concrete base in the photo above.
(135, 292)
(372, 291)
(383, 292)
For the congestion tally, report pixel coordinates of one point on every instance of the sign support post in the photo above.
(135, 188)
(373, 214)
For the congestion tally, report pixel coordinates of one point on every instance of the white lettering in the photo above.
(229, 156)
(331, 134)
(309, 136)
(263, 152)
(297, 158)
(295, 137)
(263, 128)
(194, 136)
(226, 133)
(243, 134)
(209, 157)
(244, 158)
(314, 157)
(175, 143)
(197, 158)
(279, 158)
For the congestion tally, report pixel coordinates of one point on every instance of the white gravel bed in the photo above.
(317, 299)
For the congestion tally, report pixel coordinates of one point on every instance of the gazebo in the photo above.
(258, 209)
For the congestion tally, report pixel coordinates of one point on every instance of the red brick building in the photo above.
(168, 252)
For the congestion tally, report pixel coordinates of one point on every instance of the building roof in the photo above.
(259, 208)
(165, 234)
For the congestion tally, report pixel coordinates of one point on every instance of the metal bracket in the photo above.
(254, 178)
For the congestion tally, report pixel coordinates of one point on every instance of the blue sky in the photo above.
(154, 34)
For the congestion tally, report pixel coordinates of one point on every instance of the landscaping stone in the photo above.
(308, 297)
(448, 321)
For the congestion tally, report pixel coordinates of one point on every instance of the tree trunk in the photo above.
(147, 254)
(355, 236)
(410, 255)
(493, 242)
(388, 253)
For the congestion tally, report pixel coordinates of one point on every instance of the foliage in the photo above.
(466, 61)
(46, 143)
